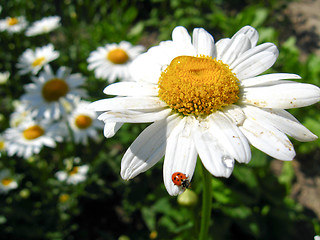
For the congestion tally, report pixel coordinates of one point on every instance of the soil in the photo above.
(305, 19)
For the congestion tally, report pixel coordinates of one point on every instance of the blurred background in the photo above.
(266, 199)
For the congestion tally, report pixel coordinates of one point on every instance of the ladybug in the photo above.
(180, 179)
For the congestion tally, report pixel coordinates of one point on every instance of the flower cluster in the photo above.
(19, 24)
(54, 107)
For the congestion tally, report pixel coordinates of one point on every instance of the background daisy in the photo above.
(29, 137)
(45, 25)
(111, 61)
(13, 24)
(33, 61)
(75, 175)
(2, 144)
(20, 114)
(46, 96)
(4, 76)
(84, 123)
(7, 181)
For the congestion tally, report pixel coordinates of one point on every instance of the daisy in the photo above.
(75, 175)
(20, 114)
(45, 25)
(2, 144)
(7, 182)
(33, 61)
(4, 76)
(13, 24)
(49, 94)
(29, 137)
(83, 123)
(112, 61)
(206, 99)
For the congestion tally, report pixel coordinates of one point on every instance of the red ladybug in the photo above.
(180, 179)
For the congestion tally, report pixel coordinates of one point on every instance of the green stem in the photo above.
(206, 204)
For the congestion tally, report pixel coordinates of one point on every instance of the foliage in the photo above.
(253, 203)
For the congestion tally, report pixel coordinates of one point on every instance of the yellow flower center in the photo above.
(6, 181)
(38, 61)
(118, 56)
(33, 132)
(54, 89)
(83, 121)
(12, 21)
(198, 85)
(2, 145)
(64, 197)
(74, 170)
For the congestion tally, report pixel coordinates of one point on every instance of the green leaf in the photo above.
(245, 175)
(149, 217)
(240, 212)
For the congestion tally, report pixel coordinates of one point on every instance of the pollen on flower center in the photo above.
(2, 145)
(12, 21)
(64, 197)
(118, 56)
(74, 170)
(33, 132)
(83, 121)
(6, 181)
(38, 61)
(198, 85)
(54, 89)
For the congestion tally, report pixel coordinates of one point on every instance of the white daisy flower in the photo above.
(49, 94)
(33, 61)
(112, 61)
(2, 144)
(13, 24)
(20, 115)
(45, 25)
(316, 237)
(75, 175)
(7, 181)
(84, 123)
(206, 99)
(4, 76)
(29, 137)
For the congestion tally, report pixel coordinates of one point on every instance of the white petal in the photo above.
(235, 113)
(203, 42)
(251, 33)
(181, 155)
(229, 137)
(268, 139)
(111, 128)
(236, 47)
(268, 79)
(131, 89)
(285, 95)
(181, 35)
(135, 116)
(279, 119)
(143, 68)
(148, 148)
(127, 103)
(221, 46)
(213, 157)
(255, 61)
